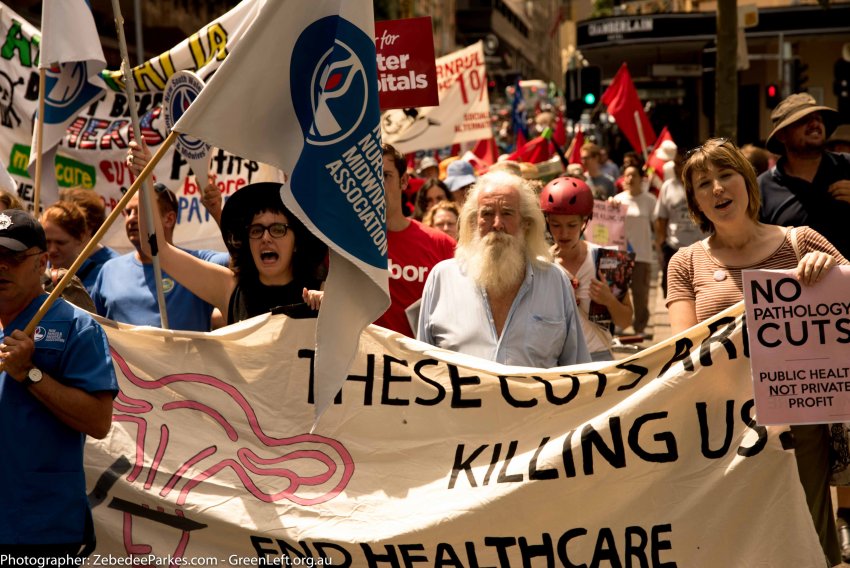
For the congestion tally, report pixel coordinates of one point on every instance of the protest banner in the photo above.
(433, 458)
(463, 114)
(407, 72)
(93, 151)
(70, 60)
(608, 225)
(798, 338)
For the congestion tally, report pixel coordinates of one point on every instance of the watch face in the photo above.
(34, 375)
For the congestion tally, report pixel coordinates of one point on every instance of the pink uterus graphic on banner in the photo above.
(311, 469)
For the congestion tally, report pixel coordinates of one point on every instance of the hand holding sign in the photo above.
(798, 338)
(813, 267)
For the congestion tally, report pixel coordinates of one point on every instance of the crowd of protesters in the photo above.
(486, 259)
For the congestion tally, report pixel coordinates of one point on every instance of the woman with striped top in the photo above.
(705, 278)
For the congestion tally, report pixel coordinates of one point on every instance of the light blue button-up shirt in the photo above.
(542, 328)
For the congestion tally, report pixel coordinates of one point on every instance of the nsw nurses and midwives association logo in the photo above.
(330, 84)
(338, 95)
(181, 91)
(334, 90)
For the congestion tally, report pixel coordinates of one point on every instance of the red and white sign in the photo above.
(407, 70)
(798, 339)
(463, 114)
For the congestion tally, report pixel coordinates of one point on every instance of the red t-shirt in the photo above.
(412, 254)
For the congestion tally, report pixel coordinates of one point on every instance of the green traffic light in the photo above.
(589, 99)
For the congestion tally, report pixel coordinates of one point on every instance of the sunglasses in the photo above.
(17, 259)
(169, 195)
(160, 189)
(701, 147)
(276, 230)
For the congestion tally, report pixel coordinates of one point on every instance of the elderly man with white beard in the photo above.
(501, 298)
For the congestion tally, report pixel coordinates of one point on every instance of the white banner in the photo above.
(93, 151)
(462, 116)
(431, 458)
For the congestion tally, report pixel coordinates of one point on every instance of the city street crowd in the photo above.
(484, 259)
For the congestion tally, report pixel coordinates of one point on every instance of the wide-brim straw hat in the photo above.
(792, 109)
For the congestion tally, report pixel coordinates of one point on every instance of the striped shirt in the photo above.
(693, 273)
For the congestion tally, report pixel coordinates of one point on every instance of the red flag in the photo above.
(622, 100)
(559, 136)
(486, 151)
(656, 161)
(455, 150)
(536, 150)
(520, 140)
(575, 148)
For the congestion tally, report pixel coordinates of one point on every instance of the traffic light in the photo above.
(591, 85)
(584, 87)
(799, 77)
(772, 96)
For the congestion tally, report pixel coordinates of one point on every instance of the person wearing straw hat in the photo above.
(56, 388)
(808, 185)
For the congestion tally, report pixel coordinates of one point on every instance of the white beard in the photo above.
(496, 262)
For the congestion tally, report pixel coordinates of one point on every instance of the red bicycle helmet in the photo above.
(567, 196)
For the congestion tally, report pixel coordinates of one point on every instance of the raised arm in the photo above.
(210, 282)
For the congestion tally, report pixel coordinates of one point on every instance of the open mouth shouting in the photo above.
(268, 256)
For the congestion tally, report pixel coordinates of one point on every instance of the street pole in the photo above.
(726, 75)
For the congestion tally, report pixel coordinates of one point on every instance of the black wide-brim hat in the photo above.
(240, 208)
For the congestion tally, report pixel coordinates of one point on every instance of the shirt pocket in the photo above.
(545, 337)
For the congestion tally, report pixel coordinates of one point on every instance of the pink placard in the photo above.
(799, 353)
(407, 69)
(608, 226)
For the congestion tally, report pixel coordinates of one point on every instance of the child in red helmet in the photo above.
(567, 204)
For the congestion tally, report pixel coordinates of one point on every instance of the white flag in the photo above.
(73, 58)
(299, 92)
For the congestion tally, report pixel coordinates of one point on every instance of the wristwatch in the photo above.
(34, 376)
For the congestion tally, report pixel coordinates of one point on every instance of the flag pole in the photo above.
(147, 195)
(39, 141)
(640, 135)
(98, 236)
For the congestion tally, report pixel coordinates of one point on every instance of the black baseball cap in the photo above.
(19, 231)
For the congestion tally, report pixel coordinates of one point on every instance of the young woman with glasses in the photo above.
(274, 259)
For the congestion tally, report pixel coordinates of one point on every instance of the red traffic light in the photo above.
(771, 95)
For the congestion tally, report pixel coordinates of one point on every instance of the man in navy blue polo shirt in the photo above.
(56, 387)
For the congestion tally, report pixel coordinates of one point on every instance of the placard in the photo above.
(407, 70)
(798, 337)
(608, 226)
